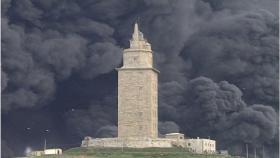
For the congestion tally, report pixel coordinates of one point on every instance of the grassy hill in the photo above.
(132, 153)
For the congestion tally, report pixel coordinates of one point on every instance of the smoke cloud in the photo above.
(35, 59)
(225, 115)
(6, 152)
(242, 50)
(168, 127)
(99, 120)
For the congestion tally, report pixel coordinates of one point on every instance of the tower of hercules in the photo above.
(138, 105)
(138, 90)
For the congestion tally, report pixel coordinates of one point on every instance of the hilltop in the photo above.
(132, 153)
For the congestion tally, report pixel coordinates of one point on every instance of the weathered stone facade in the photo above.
(128, 142)
(201, 145)
(177, 136)
(137, 91)
(194, 145)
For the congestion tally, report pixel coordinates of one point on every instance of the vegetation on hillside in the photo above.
(133, 153)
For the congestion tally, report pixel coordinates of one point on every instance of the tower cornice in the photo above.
(134, 68)
(137, 49)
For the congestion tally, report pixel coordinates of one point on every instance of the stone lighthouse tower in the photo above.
(138, 105)
(138, 91)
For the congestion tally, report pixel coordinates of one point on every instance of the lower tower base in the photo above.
(128, 143)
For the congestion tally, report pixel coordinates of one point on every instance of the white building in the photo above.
(35, 153)
(201, 145)
(56, 151)
(53, 151)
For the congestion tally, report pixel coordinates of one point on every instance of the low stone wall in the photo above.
(194, 145)
(130, 143)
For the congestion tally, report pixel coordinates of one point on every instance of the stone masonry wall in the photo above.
(137, 103)
(129, 143)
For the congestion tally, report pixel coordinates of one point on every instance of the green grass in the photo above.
(131, 153)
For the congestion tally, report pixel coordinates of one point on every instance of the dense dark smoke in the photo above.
(58, 58)
(99, 120)
(36, 57)
(167, 127)
(220, 112)
(35, 60)
(6, 152)
(242, 50)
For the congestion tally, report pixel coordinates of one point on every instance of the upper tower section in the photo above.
(138, 41)
(139, 55)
